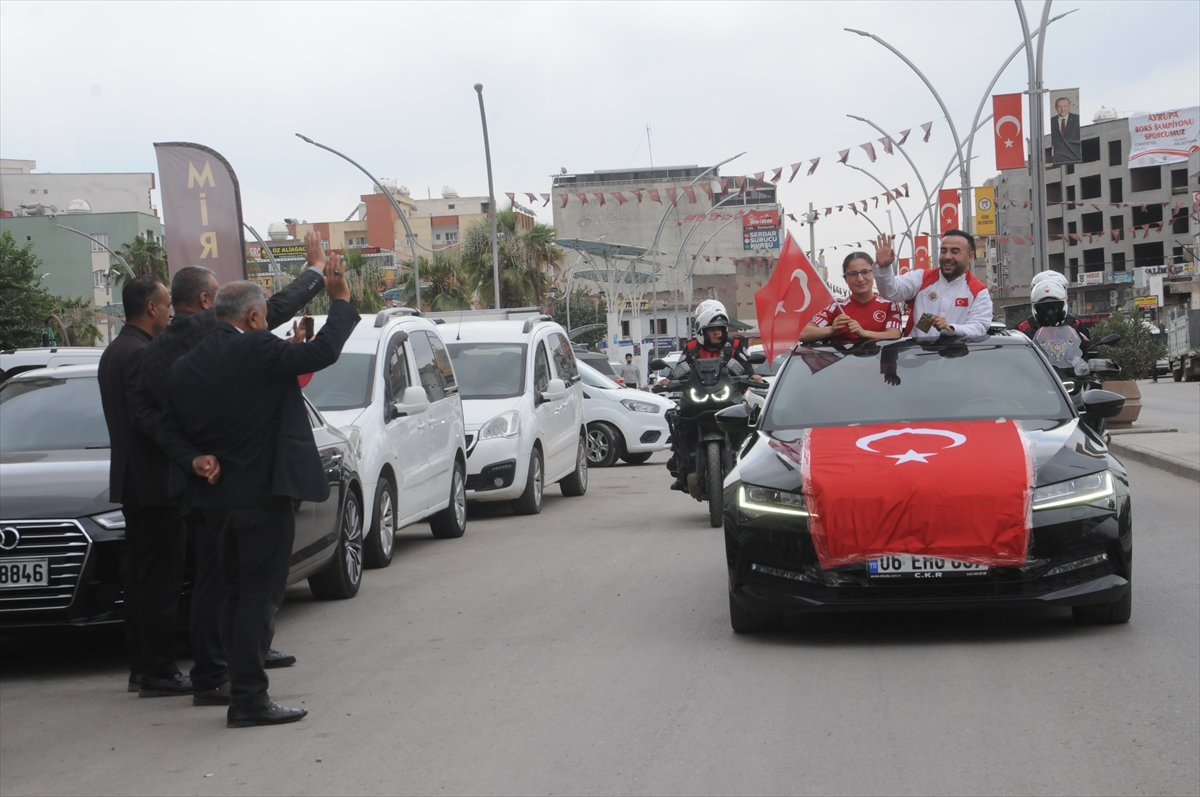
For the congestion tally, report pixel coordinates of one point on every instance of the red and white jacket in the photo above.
(965, 303)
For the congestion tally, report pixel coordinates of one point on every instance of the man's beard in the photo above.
(959, 270)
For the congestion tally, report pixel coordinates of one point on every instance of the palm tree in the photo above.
(78, 316)
(145, 257)
(523, 255)
(365, 279)
(445, 284)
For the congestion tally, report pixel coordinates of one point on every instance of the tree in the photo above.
(364, 278)
(1136, 353)
(24, 304)
(145, 257)
(585, 311)
(79, 317)
(523, 255)
(445, 284)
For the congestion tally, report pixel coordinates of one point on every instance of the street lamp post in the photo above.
(487, 152)
(270, 256)
(903, 215)
(916, 171)
(100, 243)
(395, 206)
(1037, 156)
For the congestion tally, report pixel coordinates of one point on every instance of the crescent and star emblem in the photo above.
(953, 211)
(955, 438)
(1008, 142)
(798, 274)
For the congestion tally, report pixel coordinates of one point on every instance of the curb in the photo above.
(1155, 459)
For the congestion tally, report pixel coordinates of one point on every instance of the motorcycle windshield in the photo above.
(1061, 345)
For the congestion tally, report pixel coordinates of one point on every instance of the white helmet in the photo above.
(710, 313)
(1049, 298)
(1043, 276)
(1048, 290)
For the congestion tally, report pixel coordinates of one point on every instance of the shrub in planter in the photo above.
(1136, 353)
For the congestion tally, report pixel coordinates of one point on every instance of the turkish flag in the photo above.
(789, 300)
(905, 265)
(948, 209)
(954, 489)
(1009, 130)
(921, 256)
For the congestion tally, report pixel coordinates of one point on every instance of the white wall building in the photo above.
(102, 193)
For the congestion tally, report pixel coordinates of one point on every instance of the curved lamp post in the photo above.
(904, 215)
(916, 171)
(487, 151)
(395, 206)
(270, 256)
(100, 243)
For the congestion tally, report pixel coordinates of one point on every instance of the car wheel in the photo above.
(343, 576)
(1115, 613)
(452, 521)
(636, 459)
(575, 484)
(745, 622)
(603, 445)
(530, 502)
(380, 542)
(715, 484)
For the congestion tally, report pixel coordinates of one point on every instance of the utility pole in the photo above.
(811, 218)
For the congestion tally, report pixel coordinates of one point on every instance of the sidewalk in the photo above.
(1174, 452)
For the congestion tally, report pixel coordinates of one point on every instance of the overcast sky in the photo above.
(88, 87)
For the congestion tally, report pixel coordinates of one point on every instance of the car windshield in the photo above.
(593, 378)
(50, 414)
(598, 362)
(489, 370)
(345, 385)
(907, 382)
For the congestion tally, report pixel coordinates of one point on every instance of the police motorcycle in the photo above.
(703, 453)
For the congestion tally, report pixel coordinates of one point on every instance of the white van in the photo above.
(523, 405)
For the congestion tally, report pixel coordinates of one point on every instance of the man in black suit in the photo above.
(154, 539)
(237, 420)
(1064, 134)
(193, 290)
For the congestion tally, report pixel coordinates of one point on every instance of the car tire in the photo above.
(603, 445)
(1115, 613)
(575, 485)
(715, 485)
(530, 502)
(381, 540)
(451, 522)
(636, 459)
(746, 622)
(343, 576)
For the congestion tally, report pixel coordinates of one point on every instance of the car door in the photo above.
(565, 367)
(543, 411)
(316, 523)
(560, 442)
(403, 431)
(436, 431)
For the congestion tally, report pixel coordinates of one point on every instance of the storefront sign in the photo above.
(1145, 301)
(760, 238)
(761, 218)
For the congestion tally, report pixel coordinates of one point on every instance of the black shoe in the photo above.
(680, 484)
(178, 684)
(270, 714)
(213, 697)
(276, 659)
(135, 682)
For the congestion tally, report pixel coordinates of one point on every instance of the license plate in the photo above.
(16, 573)
(910, 566)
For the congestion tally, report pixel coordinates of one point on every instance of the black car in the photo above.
(61, 539)
(1078, 551)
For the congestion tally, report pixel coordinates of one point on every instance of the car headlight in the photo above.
(770, 500)
(1082, 490)
(111, 520)
(639, 406)
(356, 440)
(506, 424)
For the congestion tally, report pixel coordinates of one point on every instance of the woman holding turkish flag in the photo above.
(862, 316)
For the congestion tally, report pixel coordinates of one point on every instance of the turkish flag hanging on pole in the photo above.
(948, 210)
(789, 300)
(921, 479)
(921, 256)
(1009, 130)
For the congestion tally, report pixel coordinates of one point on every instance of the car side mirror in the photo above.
(413, 402)
(756, 358)
(658, 364)
(556, 390)
(735, 420)
(1102, 403)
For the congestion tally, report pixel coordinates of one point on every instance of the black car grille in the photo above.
(65, 546)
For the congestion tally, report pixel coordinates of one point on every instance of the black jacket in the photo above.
(237, 396)
(137, 468)
(179, 338)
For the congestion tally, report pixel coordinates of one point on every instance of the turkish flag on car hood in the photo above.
(789, 300)
(955, 490)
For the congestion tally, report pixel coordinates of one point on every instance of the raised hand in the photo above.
(884, 254)
(313, 251)
(335, 279)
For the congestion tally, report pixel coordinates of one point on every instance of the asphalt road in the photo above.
(1172, 405)
(588, 651)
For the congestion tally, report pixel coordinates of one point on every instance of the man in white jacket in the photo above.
(954, 300)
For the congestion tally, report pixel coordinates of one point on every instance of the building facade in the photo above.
(23, 192)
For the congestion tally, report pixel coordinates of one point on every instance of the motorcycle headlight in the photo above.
(111, 520)
(723, 394)
(771, 501)
(1082, 490)
(639, 406)
(506, 424)
(697, 396)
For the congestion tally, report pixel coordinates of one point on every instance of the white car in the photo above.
(621, 422)
(523, 405)
(15, 361)
(393, 391)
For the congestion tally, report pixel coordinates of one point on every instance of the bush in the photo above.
(24, 303)
(1136, 353)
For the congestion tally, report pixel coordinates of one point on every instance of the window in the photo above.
(483, 207)
(1179, 221)
(625, 329)
(396, 377)
(100, 279)
(451, 238)
(1054, 226)
(564, 358)
(1118, 263)
(1090, 150)
(1092, 222)
(489, 370)
(450, 207)
(1072, 229)
(102, 238)
(437, 236)
(1177, 254)
(1114, 153)
(1070, 193)
(345, 385)
(662, 327)
(1054, 193)
(1089, 187)
(427, 370)
(1093, 259)
(1153, 214)
(1115, 191)
(1179, 182)
(1117, 225)
(1148, 254)
(442, 358)
(541, 369)
(1148, 178)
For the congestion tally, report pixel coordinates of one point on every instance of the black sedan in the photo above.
(784, 498)
(61, 539)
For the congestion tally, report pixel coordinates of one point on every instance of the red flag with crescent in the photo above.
(921, 256)
(1009, 130)
(922, 475)
(789, 300)
(947, 210)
